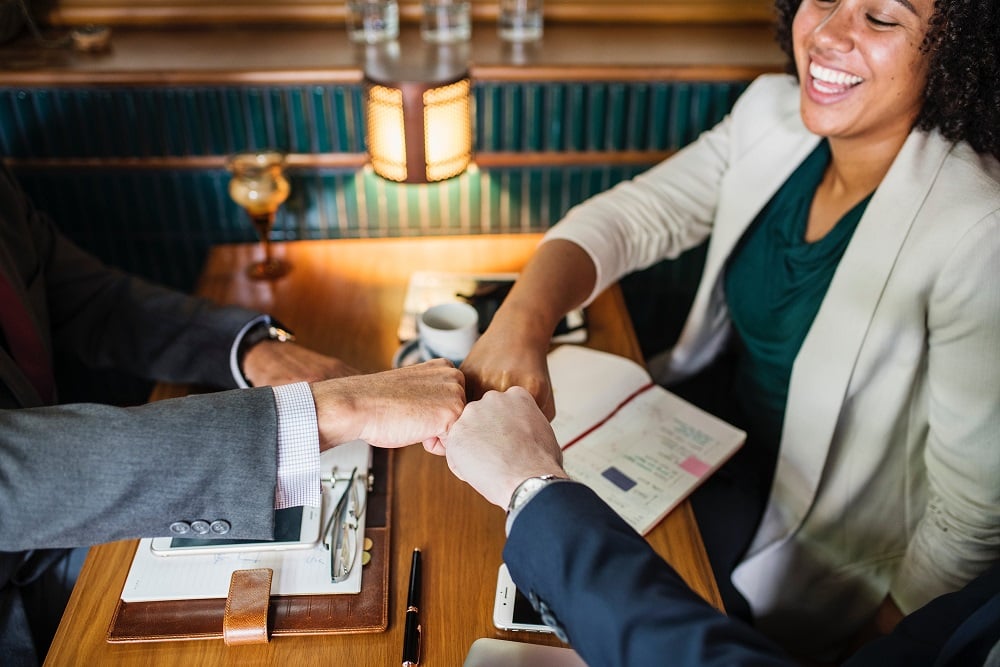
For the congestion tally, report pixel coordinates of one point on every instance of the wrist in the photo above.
(335, 413)
(266, 329)
(532, 326)
(526, 491)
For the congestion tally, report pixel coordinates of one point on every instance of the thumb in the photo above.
(434, 446)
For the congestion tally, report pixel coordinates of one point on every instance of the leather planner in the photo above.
(238, 618)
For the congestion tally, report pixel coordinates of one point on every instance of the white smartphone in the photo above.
(511, 610)
(294, 528)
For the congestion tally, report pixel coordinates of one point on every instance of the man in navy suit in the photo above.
(607, 593)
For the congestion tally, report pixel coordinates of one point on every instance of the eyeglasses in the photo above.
(341, 530)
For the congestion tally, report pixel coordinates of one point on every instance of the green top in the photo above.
(775, 281)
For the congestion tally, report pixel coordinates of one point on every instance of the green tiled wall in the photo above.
(125, 122)
(160, 222)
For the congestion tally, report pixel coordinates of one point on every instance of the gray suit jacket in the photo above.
(73, 475)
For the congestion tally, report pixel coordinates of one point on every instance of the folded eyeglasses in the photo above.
(340, 535)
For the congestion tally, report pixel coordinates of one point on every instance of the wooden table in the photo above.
(344, 298)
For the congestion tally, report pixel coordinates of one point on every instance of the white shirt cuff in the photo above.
(234, 362)
(298, 480)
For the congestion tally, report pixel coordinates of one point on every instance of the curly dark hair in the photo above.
(962, 98)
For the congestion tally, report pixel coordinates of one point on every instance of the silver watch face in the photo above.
(526, 489)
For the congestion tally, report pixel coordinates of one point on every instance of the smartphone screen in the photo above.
(523, 612)
(512, 610)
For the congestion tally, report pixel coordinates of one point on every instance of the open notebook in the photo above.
(641, 448)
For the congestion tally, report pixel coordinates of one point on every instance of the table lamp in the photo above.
(418, 117)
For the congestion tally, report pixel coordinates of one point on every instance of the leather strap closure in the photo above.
(245, 619)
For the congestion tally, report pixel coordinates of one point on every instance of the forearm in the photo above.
(944, 554)
(82, 474)
(958, 534)
(113, 320)
(557, 279)
(618, 602)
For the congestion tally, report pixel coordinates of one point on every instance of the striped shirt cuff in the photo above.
(298, 447)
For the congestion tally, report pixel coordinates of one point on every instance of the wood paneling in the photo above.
(159, 12)
(244, 55)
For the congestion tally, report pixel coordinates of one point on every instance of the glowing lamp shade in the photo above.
(419, 132)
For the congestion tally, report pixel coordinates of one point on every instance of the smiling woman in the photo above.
(847, 317)
(958, 51)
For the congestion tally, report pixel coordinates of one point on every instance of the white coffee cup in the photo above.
(448, 330)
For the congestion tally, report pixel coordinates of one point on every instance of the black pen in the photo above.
(411, 632)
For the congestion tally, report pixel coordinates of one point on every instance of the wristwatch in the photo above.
(527, 489)
(270, 329)
(524, 492)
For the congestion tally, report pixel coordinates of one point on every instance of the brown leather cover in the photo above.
(368, 611)
(245, 618)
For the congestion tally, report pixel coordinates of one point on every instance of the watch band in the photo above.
(525, 491)
(269, 329)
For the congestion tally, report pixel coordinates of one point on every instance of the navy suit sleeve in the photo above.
(957, 629)
(618, 602)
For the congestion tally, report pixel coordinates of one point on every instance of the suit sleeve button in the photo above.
(200, 527)
(220, 527)
(180, 528)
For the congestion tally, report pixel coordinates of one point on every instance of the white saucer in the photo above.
(408, 354)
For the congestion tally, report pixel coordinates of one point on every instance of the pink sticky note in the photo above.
(695, 466)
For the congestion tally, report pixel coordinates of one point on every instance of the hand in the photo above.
(501, 359)
(513, 350)
(271, 363)
(888, 616)
(499, 442)
(885, 620)
(390, 409)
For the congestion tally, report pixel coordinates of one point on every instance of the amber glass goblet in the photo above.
(258, 184)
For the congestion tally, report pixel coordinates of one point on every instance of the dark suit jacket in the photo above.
(619, 604)
(73, 475)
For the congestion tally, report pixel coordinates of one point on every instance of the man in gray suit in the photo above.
(80, 474)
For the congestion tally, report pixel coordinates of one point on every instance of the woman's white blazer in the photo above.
(888, 476)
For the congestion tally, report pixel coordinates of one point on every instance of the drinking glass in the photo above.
(258, 184)
(372, 21)
(445, 21)
(520, 20)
